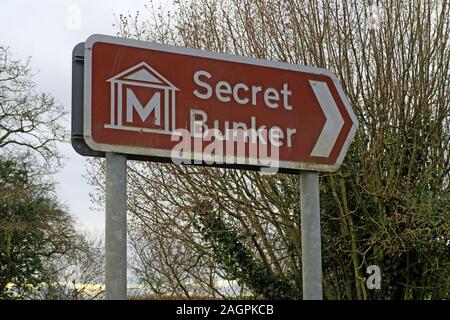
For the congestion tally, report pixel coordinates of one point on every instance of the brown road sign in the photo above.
(139, 98)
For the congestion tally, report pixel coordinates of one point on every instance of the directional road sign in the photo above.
(141, 98)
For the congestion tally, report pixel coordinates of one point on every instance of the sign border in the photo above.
(162, 153)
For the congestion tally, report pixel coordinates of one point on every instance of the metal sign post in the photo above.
(116, 227)
(310, 229)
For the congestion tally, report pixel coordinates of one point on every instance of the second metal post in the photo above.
(310, 229)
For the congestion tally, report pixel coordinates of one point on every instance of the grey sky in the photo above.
(46, 31)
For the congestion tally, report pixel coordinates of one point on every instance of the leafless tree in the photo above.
(28, 120)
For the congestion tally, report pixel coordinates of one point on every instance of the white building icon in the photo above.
(157, 114)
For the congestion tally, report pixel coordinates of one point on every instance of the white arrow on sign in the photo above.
(334, 121)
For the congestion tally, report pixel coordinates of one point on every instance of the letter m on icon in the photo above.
(154, 104)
